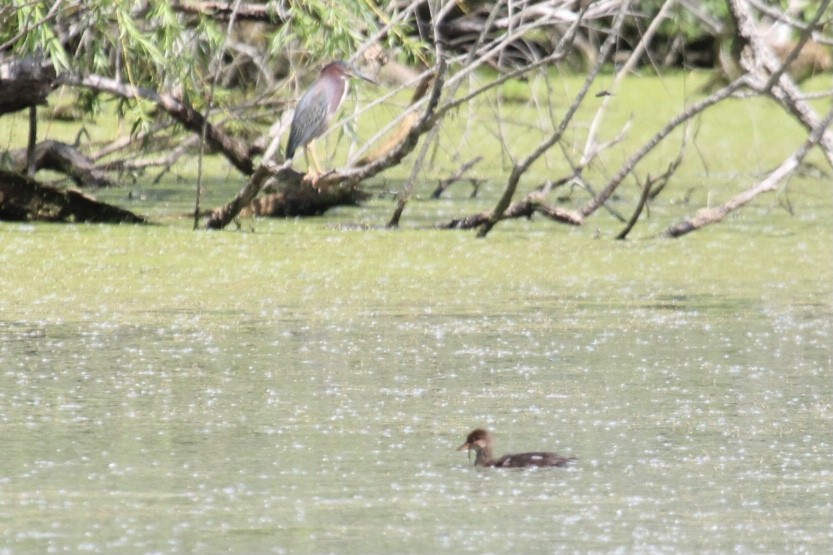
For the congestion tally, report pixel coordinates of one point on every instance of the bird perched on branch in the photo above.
(316, 108)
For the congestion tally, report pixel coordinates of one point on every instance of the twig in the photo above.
(407, 190)
(31, 167)
(653, 186)
(643, 199)
(676, 121)
(589, 145)
(456, 176)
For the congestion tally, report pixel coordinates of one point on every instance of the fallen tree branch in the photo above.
(707, 216)
(303, 200)
(221, 217)
(455, 177)
(62, 158)
(24, 199)
(526, 208)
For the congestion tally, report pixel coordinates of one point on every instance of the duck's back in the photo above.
(523, 460)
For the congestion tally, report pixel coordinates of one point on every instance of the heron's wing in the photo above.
(309, 121)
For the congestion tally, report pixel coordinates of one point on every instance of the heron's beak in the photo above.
(353, 72)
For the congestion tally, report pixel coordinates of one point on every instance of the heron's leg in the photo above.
(309, 152)
(311, 147)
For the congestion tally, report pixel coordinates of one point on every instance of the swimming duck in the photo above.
(481, 442)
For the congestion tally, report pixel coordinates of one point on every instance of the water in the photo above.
(301, 389)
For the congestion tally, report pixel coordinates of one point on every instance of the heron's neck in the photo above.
(337, 98)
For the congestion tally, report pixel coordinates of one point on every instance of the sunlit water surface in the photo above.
(303, 390)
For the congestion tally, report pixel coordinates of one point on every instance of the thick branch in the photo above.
(24, 84)
(304, 200)
(770, 74)
(63, 158)
(532, 203)
(223, 10)
(235, 151)
(223, 216)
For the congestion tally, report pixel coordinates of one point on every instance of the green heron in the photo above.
(481, 442)
(316, 108)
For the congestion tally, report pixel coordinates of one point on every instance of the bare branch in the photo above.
(235, 151)
(643, 199)
(676, 121)
(653, 186)
(210, 100)
(768, 75)
(590, 144)
(716, 214)
(521, 166)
